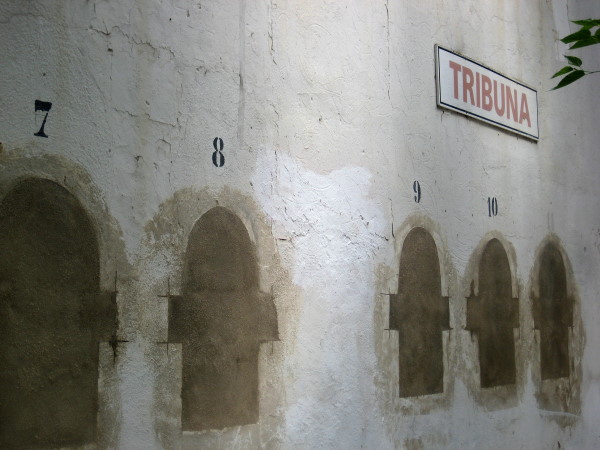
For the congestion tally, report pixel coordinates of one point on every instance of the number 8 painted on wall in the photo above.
(217, 157)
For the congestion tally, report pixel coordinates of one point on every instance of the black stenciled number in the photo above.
(217, 157)
(44, 107)
(417, 190)
(492, 206)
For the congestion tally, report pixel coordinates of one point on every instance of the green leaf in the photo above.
(585, 42)
(574, 60)
(578, 35)
(588, 23)
(562, 71)
(570, 78)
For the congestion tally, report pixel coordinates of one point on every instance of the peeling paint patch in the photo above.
(334, 231)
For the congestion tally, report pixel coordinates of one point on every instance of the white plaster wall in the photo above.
(327, 112)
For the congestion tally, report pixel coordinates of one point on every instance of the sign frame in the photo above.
(534, 135)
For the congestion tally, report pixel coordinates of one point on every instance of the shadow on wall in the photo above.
(52, 316)
(220, 320)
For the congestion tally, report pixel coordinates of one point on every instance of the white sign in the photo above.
(466, 86)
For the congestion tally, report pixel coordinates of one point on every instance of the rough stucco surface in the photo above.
(327, 114)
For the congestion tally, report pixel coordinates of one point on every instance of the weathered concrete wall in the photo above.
(326, 116)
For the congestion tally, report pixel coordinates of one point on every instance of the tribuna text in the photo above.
(488, 94)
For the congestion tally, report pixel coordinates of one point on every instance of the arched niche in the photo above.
(492, 315)
(420, 314)
(52, 316)
(220, 319)
(553, 314)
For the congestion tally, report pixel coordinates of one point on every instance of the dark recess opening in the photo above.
(52, 317)
(220, 320)
(553, 314)
(493, 315)
(420, 313)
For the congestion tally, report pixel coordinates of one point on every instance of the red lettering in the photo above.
(456, 68)
(490, 94)
(486, 93)
(511, 104)
(524, 110)
(468, 84)
(478, 89)
(499, 111)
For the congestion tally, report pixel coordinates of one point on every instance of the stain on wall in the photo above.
(420, 313)
(220, 320)
(553, 314)
(492, 315)
(52, 316)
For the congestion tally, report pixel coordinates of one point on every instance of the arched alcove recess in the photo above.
(52, 316)
(220, 320)
(553, 314)
(420, 314)
(492, 315)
